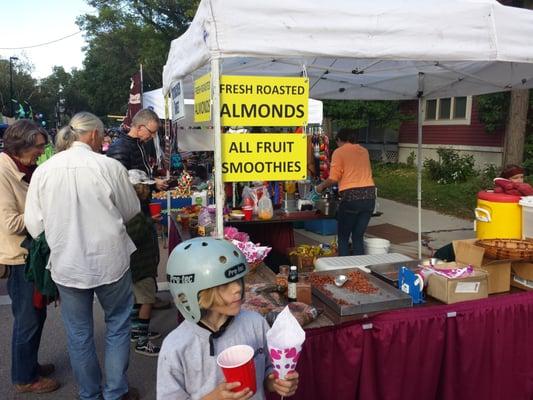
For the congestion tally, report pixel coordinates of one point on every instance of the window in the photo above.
(448, 111)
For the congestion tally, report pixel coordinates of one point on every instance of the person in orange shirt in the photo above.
(351, 170)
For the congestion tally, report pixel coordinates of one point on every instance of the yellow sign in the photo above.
(264, 157)
(263, 101)
(202, 98)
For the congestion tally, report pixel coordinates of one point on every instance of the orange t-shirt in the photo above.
(350, 167)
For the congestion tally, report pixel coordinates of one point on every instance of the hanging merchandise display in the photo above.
(320, 152)
(183, 188)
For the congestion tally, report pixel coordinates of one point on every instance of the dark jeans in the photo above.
(27, 327)
(353, 217)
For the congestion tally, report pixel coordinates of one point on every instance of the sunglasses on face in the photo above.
(149, 130)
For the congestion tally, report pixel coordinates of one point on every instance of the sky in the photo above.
(32, 22)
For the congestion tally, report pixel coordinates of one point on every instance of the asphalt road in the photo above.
(141, 372)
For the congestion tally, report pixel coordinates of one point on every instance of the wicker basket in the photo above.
(506, 249)
(304, 263)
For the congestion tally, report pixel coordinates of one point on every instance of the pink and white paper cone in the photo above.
(285, 360)
(285, 340)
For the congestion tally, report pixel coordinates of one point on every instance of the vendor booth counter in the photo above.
(480, 349)
(277, 232)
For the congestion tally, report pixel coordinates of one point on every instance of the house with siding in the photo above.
(452, 123)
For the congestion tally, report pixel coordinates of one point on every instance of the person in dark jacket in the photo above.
(128, 148)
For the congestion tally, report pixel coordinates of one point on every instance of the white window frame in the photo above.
(451, 121)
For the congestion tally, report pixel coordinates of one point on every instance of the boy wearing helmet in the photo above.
(206, 279)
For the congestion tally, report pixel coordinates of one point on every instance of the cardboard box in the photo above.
(466, 252)
(447, 290)
(522, 275)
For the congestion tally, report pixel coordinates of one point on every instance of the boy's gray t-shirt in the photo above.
(186, 370)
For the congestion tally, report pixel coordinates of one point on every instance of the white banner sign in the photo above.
(178, 104)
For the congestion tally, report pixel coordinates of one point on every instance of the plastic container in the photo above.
(527, 217)
(376, 246)
(304, 189)
(322, 226)
(498, 216)
(155, 209)
(174, 203)
(247, 211)
(237, 364)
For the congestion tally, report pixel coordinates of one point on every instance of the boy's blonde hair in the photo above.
(209, 298)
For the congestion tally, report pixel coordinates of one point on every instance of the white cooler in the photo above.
(527, 217)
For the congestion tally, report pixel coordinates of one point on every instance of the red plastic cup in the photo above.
(155, 209)
(237, 363)
(247, 211)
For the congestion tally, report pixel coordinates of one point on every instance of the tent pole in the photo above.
(421, 100)
(419, 176)
(169, 199)
(215, 112)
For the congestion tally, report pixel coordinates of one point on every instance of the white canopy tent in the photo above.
(354, 49)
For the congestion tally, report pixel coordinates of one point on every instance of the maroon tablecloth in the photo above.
(474, 350)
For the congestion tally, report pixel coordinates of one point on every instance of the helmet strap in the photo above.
(215, 335)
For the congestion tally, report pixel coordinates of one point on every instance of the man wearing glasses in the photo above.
(129, 150)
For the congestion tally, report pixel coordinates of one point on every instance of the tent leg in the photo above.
(419, 175)
(215, 112)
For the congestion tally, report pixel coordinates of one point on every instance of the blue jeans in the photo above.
(77, 312)
(353, 218)
(27, 327)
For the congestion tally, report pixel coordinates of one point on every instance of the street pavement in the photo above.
(439, 228)
(141, 372)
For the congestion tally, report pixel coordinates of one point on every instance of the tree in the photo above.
(123, 35)
(515, 129)
(24, 86)
(61, 91)
(358, 114)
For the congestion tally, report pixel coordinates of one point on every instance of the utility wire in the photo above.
(53, 41)
(41, 44)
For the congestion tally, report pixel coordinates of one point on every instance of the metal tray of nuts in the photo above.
(346, 300)
(389, 272)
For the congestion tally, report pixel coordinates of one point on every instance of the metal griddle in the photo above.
(389, 272)
(386, 298)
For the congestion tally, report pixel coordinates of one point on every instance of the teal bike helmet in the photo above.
(199, 264)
